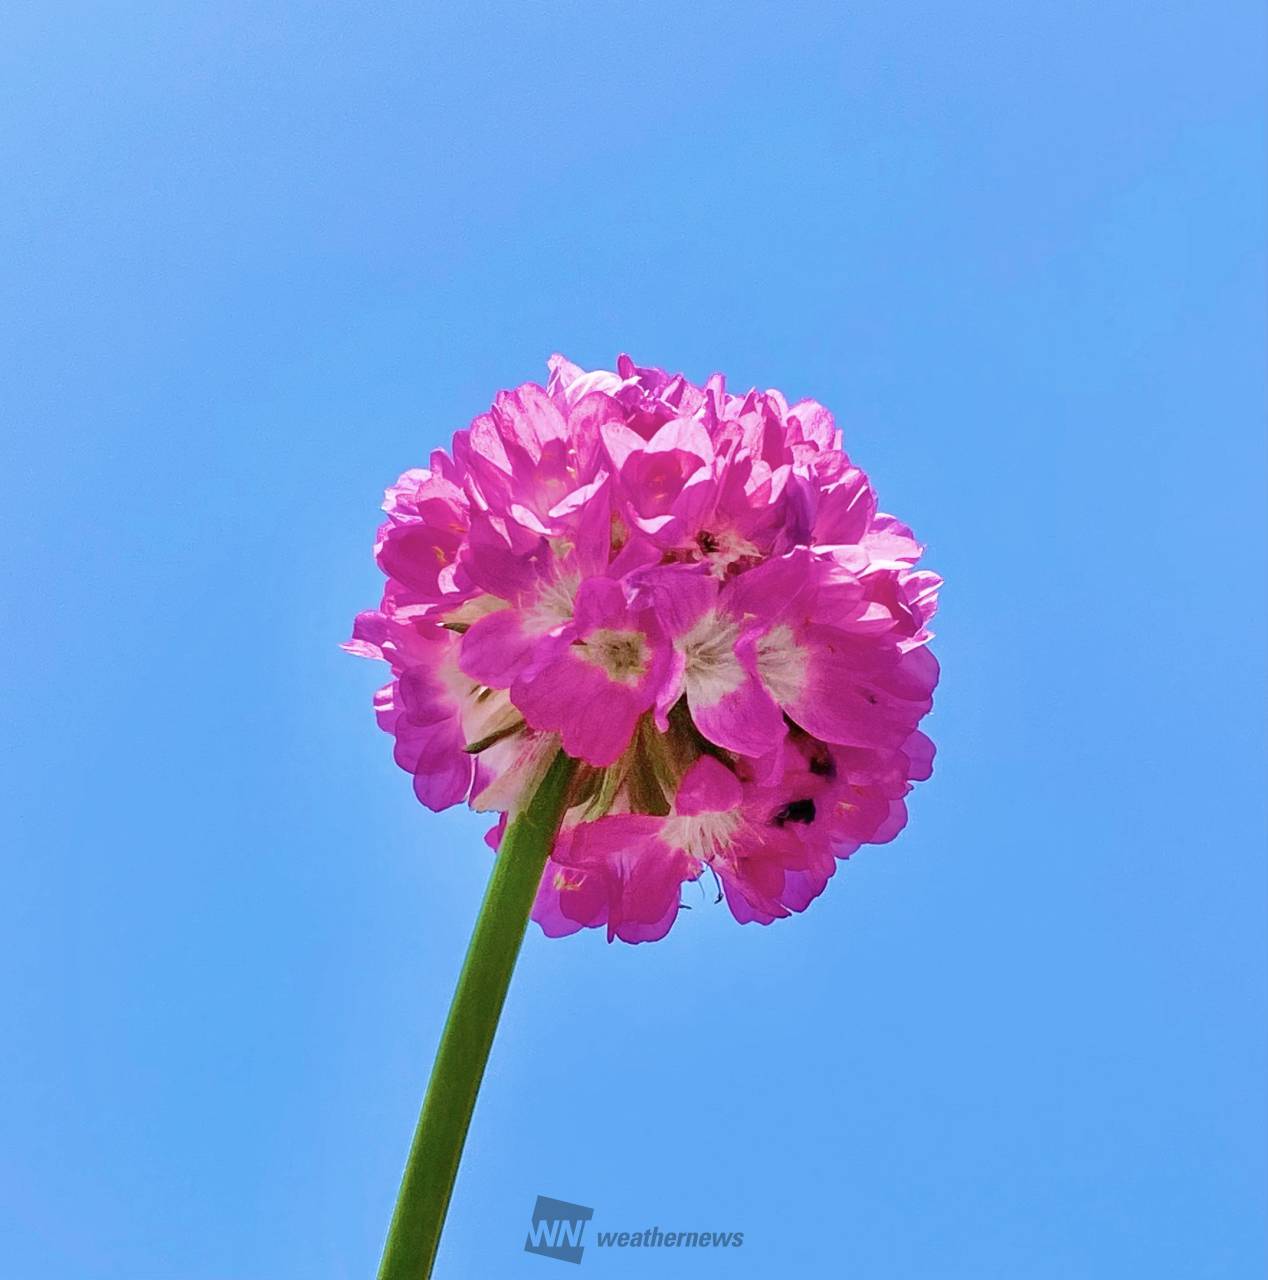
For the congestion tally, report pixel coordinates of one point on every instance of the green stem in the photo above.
(414, 1235)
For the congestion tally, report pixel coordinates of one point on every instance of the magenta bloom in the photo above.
(694, 595)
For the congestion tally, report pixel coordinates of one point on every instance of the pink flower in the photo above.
(693, 594)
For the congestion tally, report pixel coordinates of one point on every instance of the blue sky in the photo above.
(259, 259)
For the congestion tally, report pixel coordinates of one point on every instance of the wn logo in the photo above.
(556, 1229)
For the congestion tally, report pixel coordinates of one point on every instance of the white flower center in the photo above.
(781, 664)
(621, 654)
(721, 548)
(703, 836)
(553, 605)
(712, 670)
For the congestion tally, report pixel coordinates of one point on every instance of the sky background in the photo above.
(258, 259)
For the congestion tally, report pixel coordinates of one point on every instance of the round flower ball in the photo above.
(694, 595)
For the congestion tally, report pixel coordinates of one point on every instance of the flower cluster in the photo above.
(694, 594)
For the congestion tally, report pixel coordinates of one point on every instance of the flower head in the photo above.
(694, 595)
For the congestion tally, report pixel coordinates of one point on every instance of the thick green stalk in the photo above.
(414, 1235)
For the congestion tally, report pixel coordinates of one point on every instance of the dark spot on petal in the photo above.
(797, 811)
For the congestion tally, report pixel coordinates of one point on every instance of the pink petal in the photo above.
(569, 696)
(708, 787)
(497, 647)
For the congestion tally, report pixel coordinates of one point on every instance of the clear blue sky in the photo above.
(259, 258)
